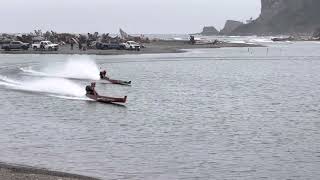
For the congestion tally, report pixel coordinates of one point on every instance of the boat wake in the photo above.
(73, 98)
(56, 87)
(78, 67)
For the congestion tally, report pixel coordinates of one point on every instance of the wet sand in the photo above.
(150, 48)
(16, 172)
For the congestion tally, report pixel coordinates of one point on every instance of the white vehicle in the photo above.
(46, 45)
(132, 45)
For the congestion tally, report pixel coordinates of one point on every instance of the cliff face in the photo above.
(230, 26)
(284, 17)
(270, 8)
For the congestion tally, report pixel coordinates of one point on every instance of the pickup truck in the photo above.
(104, 46)
(45, 45)
(15, 45)
(132, 45)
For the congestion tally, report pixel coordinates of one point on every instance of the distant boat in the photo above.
(290, 38)
(128, 37)
(123, 34)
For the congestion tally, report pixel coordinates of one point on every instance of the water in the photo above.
(232, 39)
(233, 113)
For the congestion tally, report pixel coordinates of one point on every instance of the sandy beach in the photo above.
(16, 172)
(156, 47)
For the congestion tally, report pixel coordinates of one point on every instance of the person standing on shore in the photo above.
(88, 44)
(192, 40)
(41, 46)
(71, 43)
(80, 46)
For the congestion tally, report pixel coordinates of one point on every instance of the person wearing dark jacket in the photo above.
(103, 74)
(90, 89)
(80, 46)
(71, 43)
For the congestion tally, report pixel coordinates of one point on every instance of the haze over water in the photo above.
(233, 113)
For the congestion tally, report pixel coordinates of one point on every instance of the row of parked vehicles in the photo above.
(15, 45)
(18, 45)
(45, 45)
(49, 46)
(129, 45)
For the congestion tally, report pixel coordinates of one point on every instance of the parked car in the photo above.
(105, 46)
(132, 45)
(15, 45)
(45, 45)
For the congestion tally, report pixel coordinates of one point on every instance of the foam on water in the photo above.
(238, 42)
(72, 98)
(177, 39)
(53, 86)
(78, 67)
(29, 70)
(261, 40)
(6, 80)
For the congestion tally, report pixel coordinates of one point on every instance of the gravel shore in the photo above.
(15, 172)
(150, 48)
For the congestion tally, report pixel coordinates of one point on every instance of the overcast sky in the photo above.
(134, 16)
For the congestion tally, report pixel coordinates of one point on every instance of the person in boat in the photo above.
(103, 74)
(90, 89)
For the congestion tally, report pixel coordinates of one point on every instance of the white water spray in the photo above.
(77, 67)
(50, 86)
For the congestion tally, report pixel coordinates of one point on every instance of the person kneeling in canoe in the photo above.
(90, 89)
(92, 94)
(103, 75)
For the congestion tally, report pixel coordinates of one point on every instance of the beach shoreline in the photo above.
(158, 47)
(21, 172)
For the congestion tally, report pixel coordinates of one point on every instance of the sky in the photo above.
(133, 16)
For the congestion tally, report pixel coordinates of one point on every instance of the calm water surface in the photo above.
(234, 113)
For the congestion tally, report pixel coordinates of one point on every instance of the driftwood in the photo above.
(68, 38)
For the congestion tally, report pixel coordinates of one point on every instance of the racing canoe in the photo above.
(120, 82)
(105, 99)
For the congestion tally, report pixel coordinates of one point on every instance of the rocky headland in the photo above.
(285, 17)
(230, 26)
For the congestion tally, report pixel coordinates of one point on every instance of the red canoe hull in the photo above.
(105, 99)
(113, 81)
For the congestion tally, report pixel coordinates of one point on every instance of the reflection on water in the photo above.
(233, 113)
